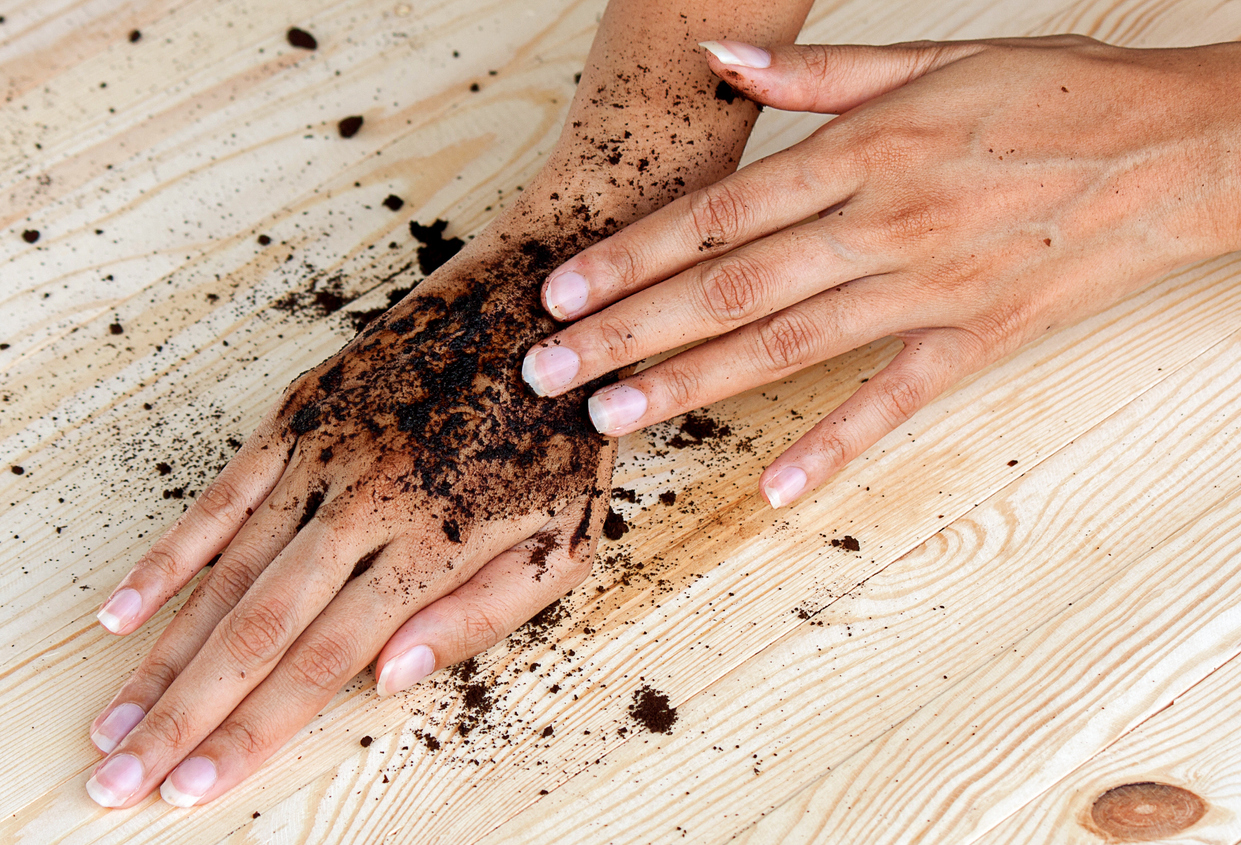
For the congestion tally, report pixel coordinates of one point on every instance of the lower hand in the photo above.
(971, 197)
(407, 491)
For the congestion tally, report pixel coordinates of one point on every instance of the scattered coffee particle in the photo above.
(264, 240)
(623, 494)
(697, 428)
(163, 468)
(452, 530)
(30, 236)
(544, 791)
(365, 741)
(255, 814)
(116, 328)
(134, 36)
(1046, 241)
(577, 78)
(435, 249)
(1065, 90)
(18, 470)
(614, 526)
(175, 493)
(303, 39)
(350, 126)
(1012, 463)
(394, 202)
(652, 710)
(669, 498)
(385, 779)
(474, 86)
(544, 542)
(725, 92)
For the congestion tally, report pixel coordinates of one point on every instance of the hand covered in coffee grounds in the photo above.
(402, 484)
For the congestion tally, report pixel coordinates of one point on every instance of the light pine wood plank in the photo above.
(1034, 617)
(1195, 744)
(73, 401)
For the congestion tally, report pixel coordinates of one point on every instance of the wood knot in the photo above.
(1145, 812)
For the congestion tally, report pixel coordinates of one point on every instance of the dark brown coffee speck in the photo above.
(435, 249)
(725, 92)
(116, 328)
(365, 742)
(303, 39)
(18, 470)
(264, 240)
(614, 526)
(394, 202)
(134, 37)
(452, 530)
(350, 126)
(30, 236)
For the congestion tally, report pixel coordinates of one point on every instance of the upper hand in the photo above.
(970, 197)
(407, 491)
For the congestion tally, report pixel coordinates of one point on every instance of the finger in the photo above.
(931, 361)
(502, 596)
(271, 528)
(707, 300)
(334, 648)
(821, 327)
(239, 653)
(829, 78)
(200, 533)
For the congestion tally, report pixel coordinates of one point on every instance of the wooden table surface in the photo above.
(1043, 606)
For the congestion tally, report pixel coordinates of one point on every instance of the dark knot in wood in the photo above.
(1146, 812)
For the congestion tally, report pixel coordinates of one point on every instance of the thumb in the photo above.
(826, 78)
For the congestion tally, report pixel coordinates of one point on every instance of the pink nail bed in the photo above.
(785, 486)
(115, 781)
(116, 726)
(567, 293)
(549, 368)
(189, 782)
(738, 54)
(405, 670)
(120, 610)
(616, 408)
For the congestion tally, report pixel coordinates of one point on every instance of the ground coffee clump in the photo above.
(393, 202)
(614, 525)
(652, 710)
(350, 126)
(303, 39)
(435, 249)
(30, 236)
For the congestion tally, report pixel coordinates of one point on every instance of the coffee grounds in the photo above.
(849, 544)
(350, 126)
(365, 741)
(394, 202)
(163, 468)
(614, 526)
(725, 92)
(134, 36)
(435, 250)
(18, 470)
(697, 428)
(622, 494)
(264, 240)
(668, 498)
(116, 328)
(452, 530)
(30, 236)
(652, 710)
(544, 542)
(303, 39)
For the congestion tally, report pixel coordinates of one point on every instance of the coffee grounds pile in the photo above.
(698, 428)
(652, 710)
(436, 249)
(614, 525)
(848, 543)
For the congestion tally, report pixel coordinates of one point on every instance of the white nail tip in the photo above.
(381, 685)
(110, 621)
(101, 795)
(530, 377)
(176, 797)
(773, 498)
(102, 743)
(721, 52)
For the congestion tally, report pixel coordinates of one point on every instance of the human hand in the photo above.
(407, 488)
(970, 197)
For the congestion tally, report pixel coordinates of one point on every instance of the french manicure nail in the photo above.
(115, 781)
(116, 726)
(549, 368)
(738, 53)
(188, 782)
(614, 408)
(120, 610)
(785, 486)
(567, 293)
(405, 670)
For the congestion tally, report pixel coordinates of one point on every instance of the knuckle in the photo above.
(159, 671)
(619, 263)
(617, 340)
(163, 561)
(227, 583)
(834, 450)
(574, 569)
(681, 384)
(241, 737)
(171, 727)
(731, 291)
(787, 341)
(480, 629)
(222, 501)
(718, 215)
(256, 635)
(900, 395)
(322, 663)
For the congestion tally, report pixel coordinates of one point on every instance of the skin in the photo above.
(398, 498)
(970, 197)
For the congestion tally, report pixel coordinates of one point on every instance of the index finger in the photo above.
(759, 199)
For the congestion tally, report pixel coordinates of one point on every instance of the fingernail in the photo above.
(567, 293)
(785, 486)
(549, 368)
(738, 53)
(615, 408)
(188, 782)
(115, 781)
(120, 610)
(405, 670)
(116, 726)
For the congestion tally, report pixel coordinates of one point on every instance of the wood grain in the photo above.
(212, 130)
